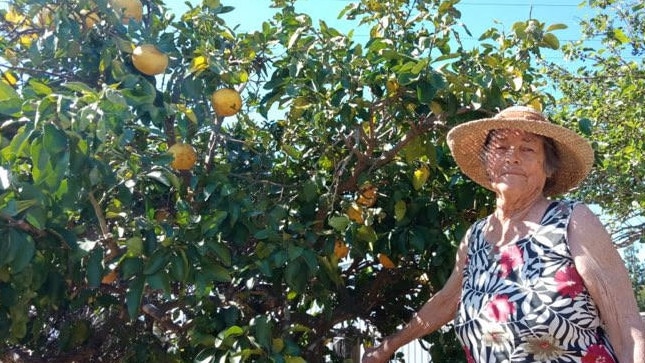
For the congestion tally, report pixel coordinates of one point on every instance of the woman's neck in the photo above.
(514, 209)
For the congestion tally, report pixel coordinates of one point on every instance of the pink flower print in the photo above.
(469, 355)
(510, 258)
(569, 282)
(499, 308)
(597, 354)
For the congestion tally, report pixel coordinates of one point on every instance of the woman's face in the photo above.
(515, 161)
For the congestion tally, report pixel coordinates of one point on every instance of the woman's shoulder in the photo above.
(578, 210)
(568, 208)
(586, 227)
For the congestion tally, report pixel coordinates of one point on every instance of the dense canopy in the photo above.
(324, 207)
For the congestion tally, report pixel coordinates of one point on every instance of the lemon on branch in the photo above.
(184, 156)
(89, 18)
(128, 10)
(385, 261)
(355, 213)
(340, 249)
(420, 177)
(149, 60)
(226, 102)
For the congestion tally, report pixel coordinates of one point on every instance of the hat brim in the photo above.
(466, 142)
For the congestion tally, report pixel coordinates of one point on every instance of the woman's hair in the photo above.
(551, 155)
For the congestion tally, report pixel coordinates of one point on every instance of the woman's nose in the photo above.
(511, 155)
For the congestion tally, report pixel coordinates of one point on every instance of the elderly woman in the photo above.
(538, 280)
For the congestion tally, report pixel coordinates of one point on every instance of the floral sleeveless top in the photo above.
(526, 302)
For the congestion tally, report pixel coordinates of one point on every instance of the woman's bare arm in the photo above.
(435, 313)
(605, 276)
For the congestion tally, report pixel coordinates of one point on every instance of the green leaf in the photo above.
(179, 266)
(367, 234)
(339, 223)
(262, 329)
(417, 238)
(26, 248)
(10, 245)
(143, 93)
(620, 36)
(54, 140)
(216, 272)
(131, 267)
(222, 251)
(551, 41)
(586, 126)
(159, 281)
(296, 275)
(134, 246)
(81, 88)
(294, 251)
(557, 26)
(407, 78)
(133, 296)
(211, 223)
(19, 145)
(158, 260)
(400, 208)
(425, 92)
(231, 332)
(95, 267)
(10, 101)
(415, 150)
(309, 191)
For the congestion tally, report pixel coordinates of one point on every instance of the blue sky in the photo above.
(478, 15)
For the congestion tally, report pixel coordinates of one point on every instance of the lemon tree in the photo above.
(112, 251)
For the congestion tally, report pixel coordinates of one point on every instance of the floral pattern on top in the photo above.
(526, 302)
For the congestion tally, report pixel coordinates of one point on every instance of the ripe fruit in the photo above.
(355, 213)
(367, 196)
(128, 9)
(89, 18)
(392, 87)
(184, 156)
(385, 261)
(420, 177)
(340, 249)
(110, 277)
(161, 215)
(147, 59)
(226, 102)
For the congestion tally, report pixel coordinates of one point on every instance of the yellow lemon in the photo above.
(184, 156)
(147, 59)
(340, 249)
(128, 10)
(226, 102)
(385, 261)
(355, 213)
(367, 196)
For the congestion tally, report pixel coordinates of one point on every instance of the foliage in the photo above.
(110, 254)
(603, 98)
(636, 269)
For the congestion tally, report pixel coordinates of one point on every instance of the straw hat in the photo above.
(576, 155)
